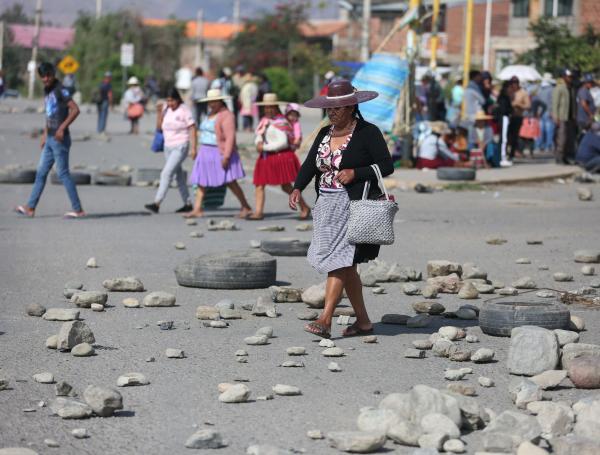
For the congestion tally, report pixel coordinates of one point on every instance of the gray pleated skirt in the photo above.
(329, 249)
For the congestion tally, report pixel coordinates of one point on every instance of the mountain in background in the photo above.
(64, 12)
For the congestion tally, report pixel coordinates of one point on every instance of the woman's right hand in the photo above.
(294, 199)
(259, 147)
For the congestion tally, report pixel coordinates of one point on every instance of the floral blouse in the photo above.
(328, 162)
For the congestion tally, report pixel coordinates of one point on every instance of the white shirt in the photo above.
(183, 78)
(433, 145)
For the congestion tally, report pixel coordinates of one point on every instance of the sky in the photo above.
(64, 12)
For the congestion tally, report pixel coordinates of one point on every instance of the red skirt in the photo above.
(276, 168)
(433, 164)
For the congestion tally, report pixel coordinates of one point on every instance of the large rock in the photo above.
(588, 418)
(356, 441)
(555, 419)
(587, 256)
(237, 393)
(73, 333)
(314, 296)
(84, 299)
(574, 445)
(35, 309)
(441, 267)
(284, 294)
(532, 351)
(523, 391)
(399, 403)
(423, 400)
(508, 430)
(472, 415)
(208, 313)
(104, 401)
(397, 319)
(584, 372)
(468, 291)
(574, 350)
(428, 307)
(405, 433)
(471, 271)
(377, 419)
(67, 408)
(449, 284)
(159, 298)
(549, 379)
(439, 423)
(264, 307)
(124, 284)
(61, 314)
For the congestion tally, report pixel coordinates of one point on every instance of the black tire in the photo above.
(498, 318)
(79, 178)
(147, 175)
(248, 269)
(112, 179)
(285, 247)
(456, 173)
(214, 197)
(17, 176)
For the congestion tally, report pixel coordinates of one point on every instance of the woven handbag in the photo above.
(372, 221)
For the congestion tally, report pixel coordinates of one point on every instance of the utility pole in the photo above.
(412, 54)
(467, 54)
(236, 15)
(487, 35)
(434, 34)
(98, 9)
(34, 50)
(199, 33)
(1, 42)
(366, 31)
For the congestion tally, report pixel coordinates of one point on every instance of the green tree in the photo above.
(282, 83)
(556, 47)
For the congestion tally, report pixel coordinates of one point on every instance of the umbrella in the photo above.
(523, 72)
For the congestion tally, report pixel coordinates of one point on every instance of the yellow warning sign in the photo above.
(68, 65)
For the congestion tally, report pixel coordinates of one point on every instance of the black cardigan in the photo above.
(367, 146)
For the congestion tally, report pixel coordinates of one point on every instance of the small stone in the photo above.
(527, 448)
(369, 339)
(265, 331)
(418, 321)
(485, 381)
(422, 344)
(411, 289)
(314, 296)
(577, 323)
(236, 393)
(356, 441)
(333, 352)
(508, 291)
(543, 267)
(218, 324)
(441, 347)
(205, 439)
(91, 263)
(285, 294)
(196, 234)
(286, 390)
(73, 333)
(433, 441)
(4, 383)
(308, 315)
(523, 261)
(587, 256)
(397, 319)
(471, 339)
(344, 311)
(124, 284)
(315, 434)
(588, 270)
(303, 227)
(206, 313)
(103, 401)
(82, 350)
(566, 337)
(257, 340)
(584, 194)
(524, 391)
(533, 350)
(97, 307)
(429, 292)
(334, 367)
(296, 350)
(61, 314)
(35, 309)
(549, 379)
(70, 409)
(470, 270)
(84, 299)
(524, 283)
(454, 375)
(562, 277)
(443, 267)
(80, 433)
(584, 372)
(62, 389)
(414, 354)
(484, 288)
(326, 343)
(132, 379)
(458, 354)
(191, 222)
(483, 355)
(44, 378)
(431, 308)
(468, 291)
(264, 307)
(51, 443)
(150, 359)
(405, 433)
(172, 353)
(462, 389)
(271, 228)
(179, 246)
(223, 225)
(496, 241)
(131, 303)
(454, 446)
(448, 332)
(378, 291)
(534, 242)
(291, 364)
(545, 294)
(343, 320)
(159, 299)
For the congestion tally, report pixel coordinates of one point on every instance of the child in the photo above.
(293, 116)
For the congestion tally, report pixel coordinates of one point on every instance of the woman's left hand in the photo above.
(225, 163)
(345, 176)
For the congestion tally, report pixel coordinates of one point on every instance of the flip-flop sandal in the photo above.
(23, 211)
(317, 329)
(354, 330)
(308, 216)
(255, 218)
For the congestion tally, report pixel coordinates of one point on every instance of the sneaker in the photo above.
(186, 208)
(506, 163)
(80, 214)
(152, 207)
(24, 210)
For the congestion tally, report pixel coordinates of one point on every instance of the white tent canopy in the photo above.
(523, 72)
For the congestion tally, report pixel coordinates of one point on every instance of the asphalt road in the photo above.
(38, 256)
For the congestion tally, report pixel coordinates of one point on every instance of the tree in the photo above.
(556, 47)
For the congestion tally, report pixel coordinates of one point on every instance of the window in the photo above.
(520, 8)
(563, 8)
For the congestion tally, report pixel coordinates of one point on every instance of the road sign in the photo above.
(127, 54)
(68, 65)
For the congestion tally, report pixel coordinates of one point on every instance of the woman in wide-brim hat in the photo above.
(218, 162)
(277, 164)
(340, 161)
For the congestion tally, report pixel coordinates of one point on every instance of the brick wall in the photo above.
(589, 14)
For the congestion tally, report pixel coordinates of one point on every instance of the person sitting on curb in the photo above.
(61, 111)
(588, 152)
(433, 151)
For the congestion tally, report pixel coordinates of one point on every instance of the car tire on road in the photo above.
(456, 173)
(248, 269)
(285, 247)
(17, 176)
(79, 178)
(499, 317)
(112, 179)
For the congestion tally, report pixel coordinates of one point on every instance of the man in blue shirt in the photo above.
(588, 152)
(61, 111)
(104, 101)
(585, 104)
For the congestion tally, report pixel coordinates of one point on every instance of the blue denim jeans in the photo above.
(55, 151)
(102, 116)
(546, 139)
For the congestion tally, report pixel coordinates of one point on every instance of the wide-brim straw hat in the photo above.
(214, 94)
(341, 93)
(482, 116)
(439, 127)
(133, 81)
(270, 99)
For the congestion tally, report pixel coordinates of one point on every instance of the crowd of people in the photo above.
(503, 119)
